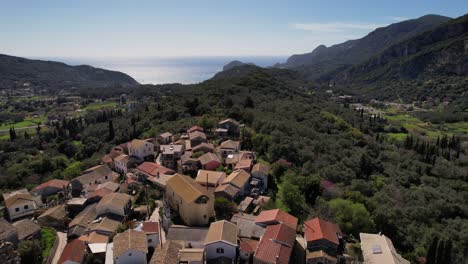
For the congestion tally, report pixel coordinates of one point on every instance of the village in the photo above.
(170, 199)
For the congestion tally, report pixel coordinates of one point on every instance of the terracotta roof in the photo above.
(26, 228)
(74, 251)
(246, 225)
(168, 254)
(229, 189)
(153, 169)
(106, 224)
(137, 143)
(222, 231)
(130, 240)
(229, 120)
(11, 197)
(243, 164)
(203, 145)
(113, 186)
(248, 245)
(100, 193)
(84, 217)
(55, 183)
(195, 128)
(238, 178)
(316, 229)
(187, 157)
(6, 229)
(320, 254)
(150, 227)
(95, 173)
(57, 212)
(262, 168)
(185, 187)
(190, 255)
(94, 237)
(118, 199)
(197, 134)
(276, 216)
(212, 177)
(209, 157)
(276, 244)
(230, 144)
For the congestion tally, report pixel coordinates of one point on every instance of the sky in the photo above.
(176, 28)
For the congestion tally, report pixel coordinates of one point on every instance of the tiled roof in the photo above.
(209, 157)
(191, 255)
(171, 149)
(153, 169)
(84, 217)
(248, 245)
(130, 240)
(94, 237)
(238, 178)
(276, 244)
(243, 164)
(197, 134)
(229, 120)
(165, 135)
(55, 183)
(222, 231)
(123, 158)
(93, 174)
(137, 143)
(276, 216)
(229, 189)
(57, 212)
(150, 227)
(117, 199)
(212, 177)
(74, 251)
(6, 229)
(168, 254)
(26, 228)
(316, 229)
(100, 193)
(262, 168)
(195, 128)
(246, 226)
(185, 233)
(320, 254)
(203, 145)
(185, 187)
(113, 186)
(230, 144)
(11, 197)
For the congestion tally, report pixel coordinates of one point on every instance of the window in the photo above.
(26, 207)
(106, 177)
(150, 240)
(220, 250)
(204, 216)
(16, 209)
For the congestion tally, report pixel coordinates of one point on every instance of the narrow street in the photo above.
(155, 218)
(62, 242)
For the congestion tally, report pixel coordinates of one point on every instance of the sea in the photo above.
(160, 70)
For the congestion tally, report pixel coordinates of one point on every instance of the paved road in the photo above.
(62, 238)
(155, 218)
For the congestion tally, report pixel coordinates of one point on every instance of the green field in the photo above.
(28, 121)
(96, 106)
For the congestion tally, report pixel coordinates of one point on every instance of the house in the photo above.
(51, 187)
(196, 138)
(73, 253)
(79, 225)
(188, 163)
(276, 216)
(91, 178)
(195, 128)
(97, 195)
(227, 191)
(130, 247)
(168, 254)
(121, 163)
(228, 147)
(320, 257)
(247, 248)
(244, 164)
(210, 178)
(108, 159)
(246, 205)
(189, 237)
(192, 256)
(154, 173)
(276, 245)
(151, 229)
(221, 241)
(228, 127)
(210, 161)
(94, 237)
(27, 229)
(377, 248)
(246, 159)
(203, 147)
(56, 217)
(190, 200)
(20, 203)
(247, 227)
(321, 235)
(260, 202)
(170, 154)
(76, 205)
(141, 149)
(8, 232)
(115, 203)
(106, 225)
(165, 138)
(260, 174)
(239, 179)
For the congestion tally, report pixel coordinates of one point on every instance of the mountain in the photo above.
(235, 63)
(55, 75)
(324, 61)
(431, 64)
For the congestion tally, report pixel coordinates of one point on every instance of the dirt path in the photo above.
(62, 237)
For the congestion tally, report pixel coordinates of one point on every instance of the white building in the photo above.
(115, 203)
(221, 241)
(121, 163)
(130, 247)
(19, 203)
(140, 148)
(377, 248)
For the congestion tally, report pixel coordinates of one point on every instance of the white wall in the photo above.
(229, 250)
(131, 257)
(21, 212)
(154, 240)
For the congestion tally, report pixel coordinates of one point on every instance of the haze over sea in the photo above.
(159, 70)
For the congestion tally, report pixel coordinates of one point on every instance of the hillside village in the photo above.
(191, 197)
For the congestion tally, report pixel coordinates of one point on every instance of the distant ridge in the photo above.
(56, 75)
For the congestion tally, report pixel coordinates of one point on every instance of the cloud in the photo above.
(397, 18)
(335, 26)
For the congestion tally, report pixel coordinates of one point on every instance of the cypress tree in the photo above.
(431, 254)
(111, 130)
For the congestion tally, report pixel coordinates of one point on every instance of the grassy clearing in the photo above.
(28, 121)
(48, 236)
(397, 136)
(96, 106)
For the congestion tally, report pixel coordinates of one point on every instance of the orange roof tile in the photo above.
(316, 229)
(276, 216)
